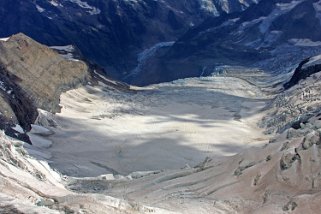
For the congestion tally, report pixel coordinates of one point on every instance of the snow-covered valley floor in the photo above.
(165, 126)
(169, 148)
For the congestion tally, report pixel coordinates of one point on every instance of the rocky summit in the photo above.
(33, 76)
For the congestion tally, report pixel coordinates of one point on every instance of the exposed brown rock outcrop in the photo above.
(33, 76)
(41, 72)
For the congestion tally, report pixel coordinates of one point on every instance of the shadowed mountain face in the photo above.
(109, 32)
(272, 32)
(143, 42)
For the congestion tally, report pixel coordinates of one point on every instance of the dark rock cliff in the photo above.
(302, 72)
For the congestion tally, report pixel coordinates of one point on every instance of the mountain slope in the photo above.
(109, 33)
(270, 35)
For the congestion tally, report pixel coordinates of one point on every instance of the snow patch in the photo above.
(146, 54)
(69, 56)
(313, 61)
(281, 9)
(40, 130)
(39, 142)
(317, 7)
(67, 48)
(4, 39)
(91, 10)
(104, 78)
(209, 7)
(18, 129)
(248, 24)
(229, 22)
(304, 42)
(40, 9)
(151, 51)
(66, 51)
(55, 3)
(288, 6)
(2, 86)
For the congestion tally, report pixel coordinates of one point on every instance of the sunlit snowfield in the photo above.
(165, 126)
